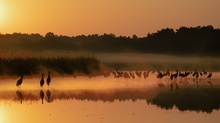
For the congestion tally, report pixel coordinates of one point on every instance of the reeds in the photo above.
(60, 65)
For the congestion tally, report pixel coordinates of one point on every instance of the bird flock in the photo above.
(160, 74)
(20, 80)
(171, 77)
(133, 74)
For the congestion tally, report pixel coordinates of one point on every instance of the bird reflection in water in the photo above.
(48, 93)
(174, 83)
(209, 82)
(19, 95)
(42, 96)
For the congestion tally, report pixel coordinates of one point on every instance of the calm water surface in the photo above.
(109, 100)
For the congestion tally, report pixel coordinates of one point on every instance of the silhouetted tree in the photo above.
(201, 40)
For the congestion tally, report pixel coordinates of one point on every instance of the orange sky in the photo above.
(121, 17)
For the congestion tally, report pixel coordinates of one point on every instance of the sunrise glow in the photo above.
(2, 117)
(1, 13)
(124, 61)
(121, 17)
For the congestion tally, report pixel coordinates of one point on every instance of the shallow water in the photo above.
(108, 100)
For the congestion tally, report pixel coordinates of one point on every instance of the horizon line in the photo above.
(107, 33)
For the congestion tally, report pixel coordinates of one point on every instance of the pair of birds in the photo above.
(19, 82)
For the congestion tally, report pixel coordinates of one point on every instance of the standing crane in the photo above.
(42, 80)
(48, 79)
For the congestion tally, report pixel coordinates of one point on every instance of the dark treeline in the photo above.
(199, 40)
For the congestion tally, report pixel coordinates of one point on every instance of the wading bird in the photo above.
(204, 72)
(173, 76)
(42, 80)
(138, 73)
(210, 75)
(159, 75)
(195, 73)
(48, 79)
(19, 82)
(132, 74)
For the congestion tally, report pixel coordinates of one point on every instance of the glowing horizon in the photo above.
(98, 17)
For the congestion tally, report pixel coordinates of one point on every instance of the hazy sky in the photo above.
(121, 17)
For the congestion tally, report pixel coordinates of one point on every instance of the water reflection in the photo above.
(48, 96)
(190, 94)
(203, 99)
(42, 96)
(19, 95)
(200, 99)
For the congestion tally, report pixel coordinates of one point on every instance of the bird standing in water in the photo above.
(42, 80)
(19, 82)
(210, 75)
(48, 79)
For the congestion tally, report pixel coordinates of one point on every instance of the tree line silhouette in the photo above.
(203, 41)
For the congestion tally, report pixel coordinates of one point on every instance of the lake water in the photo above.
(109, 100)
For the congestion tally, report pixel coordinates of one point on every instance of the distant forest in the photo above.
(202, 41)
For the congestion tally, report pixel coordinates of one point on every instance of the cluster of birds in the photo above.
(137, 73)
(118, 74)
(19, 81)
(160, 75)
(195, 74)
(48, 93)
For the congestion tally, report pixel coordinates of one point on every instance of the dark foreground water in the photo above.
(110, 100)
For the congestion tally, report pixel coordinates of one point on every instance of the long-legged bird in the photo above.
(42, 80)
(48, 79)
(19, 82)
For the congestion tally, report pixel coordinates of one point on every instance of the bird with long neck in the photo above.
(159, 75)
(42, 80)
(48, 79)
(173, 76)
(210, 75)
(204, 72)
(19, 82)
(195, 73)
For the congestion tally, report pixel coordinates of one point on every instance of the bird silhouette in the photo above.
(138, 73)
(186, 73)
(42, 80)
(204, 72)
(132, 74)
(48, 79)
(173, 76)
(210, 75)
(195, 73)
(159, 75)
(19, 82)
(166, 73)
(181, 74)
(42, 96)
